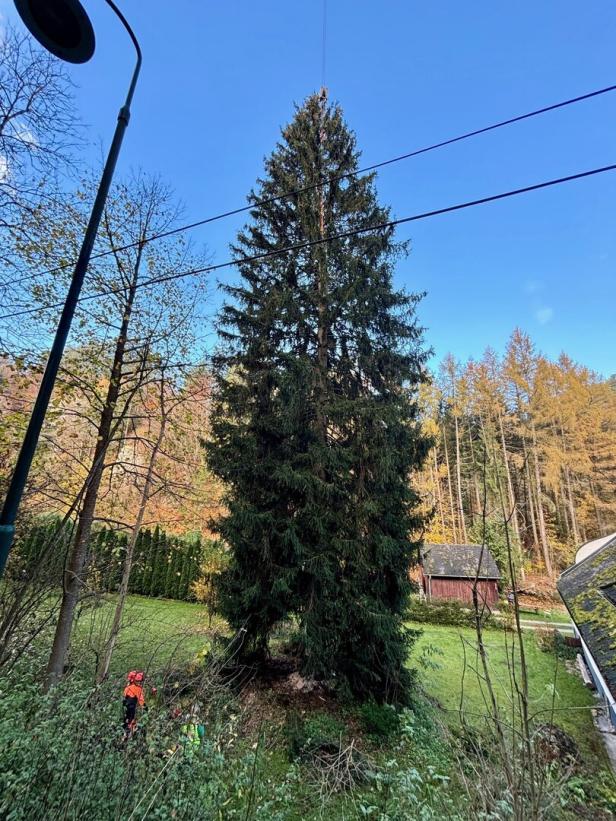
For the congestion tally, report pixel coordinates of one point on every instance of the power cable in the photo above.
(328, 181)
(329, 238)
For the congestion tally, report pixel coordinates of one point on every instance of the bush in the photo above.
(205, 588)
(450, 613)
(322, 728)
(61, 756)
(551, 640)
(379, 720)
(304, 735)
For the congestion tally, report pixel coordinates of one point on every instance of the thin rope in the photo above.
(323, 43)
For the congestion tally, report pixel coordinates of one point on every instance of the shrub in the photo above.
(205, 588)
(448, 613)
(61, 756)
(379, 720)
(550, 640)
(308, 734)
(295, 734)
(322, 728)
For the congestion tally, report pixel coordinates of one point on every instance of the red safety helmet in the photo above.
(135, 677)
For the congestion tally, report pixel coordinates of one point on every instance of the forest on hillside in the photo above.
(528, 440)
(525, 440)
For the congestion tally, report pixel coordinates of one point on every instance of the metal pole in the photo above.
(26, 454)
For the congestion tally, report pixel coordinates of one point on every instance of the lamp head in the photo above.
(60, 26)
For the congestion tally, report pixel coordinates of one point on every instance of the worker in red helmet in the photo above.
(133, 698)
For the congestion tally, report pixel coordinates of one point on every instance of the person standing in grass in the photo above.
(133, 698)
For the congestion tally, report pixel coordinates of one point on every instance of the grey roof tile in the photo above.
(459, 561)
(586, 589)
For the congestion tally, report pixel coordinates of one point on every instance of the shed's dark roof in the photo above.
(584, 588)
(458, 560)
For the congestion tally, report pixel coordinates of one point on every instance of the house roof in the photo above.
(592, 546)
(458, 561)
(586, 589)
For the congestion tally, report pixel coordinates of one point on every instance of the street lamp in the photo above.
(64, 29)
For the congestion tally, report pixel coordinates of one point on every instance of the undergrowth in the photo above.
(62, 756)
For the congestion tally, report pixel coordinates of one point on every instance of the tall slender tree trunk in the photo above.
(74, 573)
(571, 503)
(459, 482)
(451, 504)
(322, 294)
(510, 494)
(562, 508)
(529, 495)
(322, 353)
(600, 523)
(545, 547)
(439, 497)
(512, 514)
(103, 667)
(476, 508)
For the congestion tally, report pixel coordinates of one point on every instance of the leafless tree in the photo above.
(123, 336)
(38, 124)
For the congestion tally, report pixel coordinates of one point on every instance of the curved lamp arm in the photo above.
(47, 38)
(137, 69)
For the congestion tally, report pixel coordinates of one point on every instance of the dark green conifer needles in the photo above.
(315, 428)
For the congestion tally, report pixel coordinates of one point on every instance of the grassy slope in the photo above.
(159, 632)
(156, 632)
(545, 672)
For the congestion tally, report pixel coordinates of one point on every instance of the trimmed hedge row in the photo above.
(451, 613)
(164, 565)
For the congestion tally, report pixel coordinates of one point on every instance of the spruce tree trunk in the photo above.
(103, 667)
(323, 296)
(74, 572)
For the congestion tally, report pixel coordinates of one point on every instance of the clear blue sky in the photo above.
(219, 79)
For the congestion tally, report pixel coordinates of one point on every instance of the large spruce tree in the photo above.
(315, 429)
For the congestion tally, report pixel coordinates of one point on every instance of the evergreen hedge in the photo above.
(164, 565)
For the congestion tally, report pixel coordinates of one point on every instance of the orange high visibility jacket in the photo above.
(134, 691)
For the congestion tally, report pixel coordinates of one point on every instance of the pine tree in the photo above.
(315, 429)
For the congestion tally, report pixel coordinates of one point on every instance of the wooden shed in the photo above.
(448, 571)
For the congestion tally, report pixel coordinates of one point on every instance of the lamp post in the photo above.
(64, 29)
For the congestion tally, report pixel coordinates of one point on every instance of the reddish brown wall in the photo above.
(460, 589)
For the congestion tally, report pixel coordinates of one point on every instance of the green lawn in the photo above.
(156, 632)
(547, 675)
(552, 616)
(159, 632)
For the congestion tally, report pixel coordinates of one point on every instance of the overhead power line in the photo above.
(329, 238)
(329, 180)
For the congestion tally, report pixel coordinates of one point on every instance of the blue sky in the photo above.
(219, 79)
